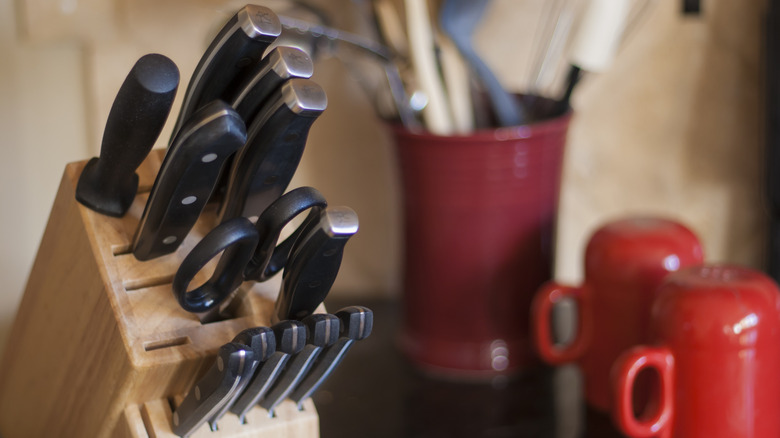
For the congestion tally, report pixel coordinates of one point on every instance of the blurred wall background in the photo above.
(673, 128)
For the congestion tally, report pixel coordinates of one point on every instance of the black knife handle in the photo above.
(238, 46)
(269, 258)
(108, 184)
(213, 389)
(260, 339)
(280, 64)
(263, 168)
(236, 241)
(314, 263)
(322, 331)
(290, 340)
(263, 344)
(186, 179)
(356, 323)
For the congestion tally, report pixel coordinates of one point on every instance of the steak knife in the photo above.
(322, 330)
(314, 263)
(263, 168)
(263, 344)
(108, 184)
(356, 323)
(187, 177)
(214, 389)
(239, 45)
(290, 340)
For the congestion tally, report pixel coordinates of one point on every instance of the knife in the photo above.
(263, 168)
(322, 330)
(356, 323)
(108, 184)
(290, 340)
(186, 179)
(314, 263)
(237, 47)
(263, 344)
(214, 389)
(280, 64)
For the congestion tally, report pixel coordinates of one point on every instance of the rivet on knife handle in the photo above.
(314, 263)
(108, 184)
(263, 344)
(238, 46)
(322, 331)
(214, 389)
(187, 178)
(290, 340)
(356, 323)
(276, 138)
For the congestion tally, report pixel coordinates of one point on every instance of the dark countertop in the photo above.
(376, 393)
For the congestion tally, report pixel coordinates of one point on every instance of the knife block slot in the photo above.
(99, 342)
(156, 418)
(175, 342)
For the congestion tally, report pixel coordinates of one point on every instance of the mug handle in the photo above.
(625, 371)
(541, 312)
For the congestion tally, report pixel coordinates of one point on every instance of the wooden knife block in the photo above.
(101, 348)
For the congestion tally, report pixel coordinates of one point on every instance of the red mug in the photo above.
(625, 261)
(717, 354)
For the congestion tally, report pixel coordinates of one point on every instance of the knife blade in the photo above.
(322, 330)
(263, 344)
(108, 183)
(281, 63)
(263, 168)
(213, 389)
(186, 179)
(240, 44)
(290, 340)
(314, 263)
(356, 323)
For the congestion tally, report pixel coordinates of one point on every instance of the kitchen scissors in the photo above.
(249, 252)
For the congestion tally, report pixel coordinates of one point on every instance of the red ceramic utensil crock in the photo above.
(479, 215)
(625, 261)
(717, 352)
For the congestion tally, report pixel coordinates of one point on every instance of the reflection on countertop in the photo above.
(377, 393)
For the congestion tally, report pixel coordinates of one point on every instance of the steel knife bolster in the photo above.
(281, 64)
(187, 178)
(215, 388)
(263, 168)
(314, 263)
(356, 323)
(108, 184)
(239, 44)
(263, 344)
(290, 339)
(322, 330)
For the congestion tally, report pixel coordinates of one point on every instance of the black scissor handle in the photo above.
(269, 258)
(238, 239)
